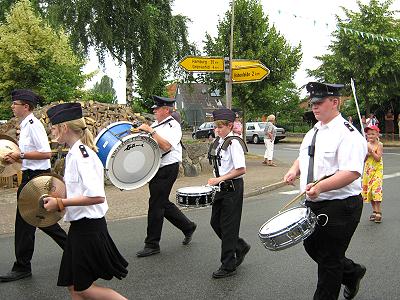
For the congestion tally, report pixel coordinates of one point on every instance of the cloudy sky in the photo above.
(309, 22)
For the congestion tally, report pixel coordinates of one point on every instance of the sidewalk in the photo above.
(134, 203)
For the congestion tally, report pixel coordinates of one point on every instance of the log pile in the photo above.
(97, 116)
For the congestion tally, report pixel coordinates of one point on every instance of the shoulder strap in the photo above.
(228, 141)
(164, 122)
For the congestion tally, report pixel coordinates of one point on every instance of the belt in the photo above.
(229, 185)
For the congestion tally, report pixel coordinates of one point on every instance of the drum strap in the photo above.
(214, 156)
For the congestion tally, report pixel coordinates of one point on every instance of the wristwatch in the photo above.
(152, 133)
(22, 155)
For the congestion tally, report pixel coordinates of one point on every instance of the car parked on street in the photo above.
(205, 130)
(255, 132)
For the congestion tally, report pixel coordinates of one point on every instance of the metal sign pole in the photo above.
(228, 77)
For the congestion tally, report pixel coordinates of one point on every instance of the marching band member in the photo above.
(35, 156)
(90, 253)
(335, 147)
(166, 131)
(229, 168)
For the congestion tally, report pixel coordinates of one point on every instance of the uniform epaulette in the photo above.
(83, 151)
(31, 121)
(349, 127)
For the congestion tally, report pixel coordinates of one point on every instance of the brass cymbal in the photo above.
(30, 201)
(6, 169)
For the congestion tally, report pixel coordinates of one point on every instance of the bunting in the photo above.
(346, 30)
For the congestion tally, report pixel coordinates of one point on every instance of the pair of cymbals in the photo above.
(30, 200)
(7, 145)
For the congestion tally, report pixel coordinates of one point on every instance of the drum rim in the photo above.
(197, 193)
(113, 179)
(276, 216)
(105, 129)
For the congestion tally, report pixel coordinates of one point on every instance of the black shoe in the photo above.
(15, 275)
(147, 252)
(351, 290)
(240, 255)
(222, 273)
(188, 236)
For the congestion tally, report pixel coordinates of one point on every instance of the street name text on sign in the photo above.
(202, 64)
(250, 73)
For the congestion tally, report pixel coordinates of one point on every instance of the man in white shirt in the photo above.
(166, 131)
(332, 147)
(35, 154)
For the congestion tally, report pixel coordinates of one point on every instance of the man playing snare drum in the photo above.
(229, 168)
(332, 146)
(166, 131)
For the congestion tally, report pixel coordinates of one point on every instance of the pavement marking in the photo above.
(390, 153)
(387, 176)
(291, 149)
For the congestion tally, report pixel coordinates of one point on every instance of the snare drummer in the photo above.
(166, 131)
(333, 146)
(229, 168)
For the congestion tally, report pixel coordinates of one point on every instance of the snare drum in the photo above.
(287, 228)
(130, 159)
(195, 196)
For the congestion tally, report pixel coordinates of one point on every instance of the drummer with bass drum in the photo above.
(332, 146)
(227, 157)
(166, 131)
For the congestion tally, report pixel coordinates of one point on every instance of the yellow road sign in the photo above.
(249, 73)
(240, 63)
(202, 64)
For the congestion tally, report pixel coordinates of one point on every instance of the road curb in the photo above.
(264, 189)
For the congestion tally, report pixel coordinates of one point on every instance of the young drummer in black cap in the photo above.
(335, 147)
(35, 156)
(166, 131)
(90, 253)
(229, 168)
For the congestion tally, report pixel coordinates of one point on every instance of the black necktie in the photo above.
(311, 153)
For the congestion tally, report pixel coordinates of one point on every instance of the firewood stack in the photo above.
(97, 116)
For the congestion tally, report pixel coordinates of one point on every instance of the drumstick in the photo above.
(303, 193)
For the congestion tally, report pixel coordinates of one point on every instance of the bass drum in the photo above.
(130, 159)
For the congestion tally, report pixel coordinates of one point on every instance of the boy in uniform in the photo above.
(227, 156)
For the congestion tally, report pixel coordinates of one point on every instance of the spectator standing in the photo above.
(237, 126)
(372, 120)
(269, 139)
(389, 124)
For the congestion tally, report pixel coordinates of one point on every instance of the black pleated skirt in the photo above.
(90, 254)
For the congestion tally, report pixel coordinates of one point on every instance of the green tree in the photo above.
(32, 55)
(373, 63)
(143, 35)
(255, 39)
(104, 91)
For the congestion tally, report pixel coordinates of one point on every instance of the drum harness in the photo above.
(214, 159)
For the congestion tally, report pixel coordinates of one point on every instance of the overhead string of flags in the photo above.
(346, 30)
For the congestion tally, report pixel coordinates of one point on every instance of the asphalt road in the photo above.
(184, 272)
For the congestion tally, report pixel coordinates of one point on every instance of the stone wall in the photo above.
(194, 160)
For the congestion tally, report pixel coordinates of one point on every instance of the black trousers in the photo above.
(160, 207)
(225, 221)
(24, 240)
(328, 244)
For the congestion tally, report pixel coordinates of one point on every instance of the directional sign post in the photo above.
(243, 70)
(202, 64)
(251, 73)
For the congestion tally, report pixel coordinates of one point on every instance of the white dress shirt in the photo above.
(84, 176)
(172, 132)
(33, 137)
(339, 147)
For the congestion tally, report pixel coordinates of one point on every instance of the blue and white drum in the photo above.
(130, 159)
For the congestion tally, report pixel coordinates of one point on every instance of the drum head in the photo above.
(283, 220)
(133, 161)
(195, 190)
